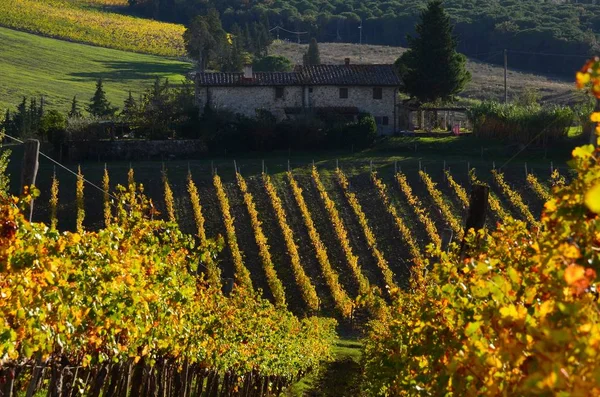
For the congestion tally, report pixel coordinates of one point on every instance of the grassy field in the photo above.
(341, 377)
(487, 83)
(31, 65)
(83, 22)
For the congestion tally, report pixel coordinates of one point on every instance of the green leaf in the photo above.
(592, 199)
(472, 328)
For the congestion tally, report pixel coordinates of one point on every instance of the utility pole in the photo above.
(505, 76)
(360, 28)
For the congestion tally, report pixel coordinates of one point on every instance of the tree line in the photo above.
(482, 27)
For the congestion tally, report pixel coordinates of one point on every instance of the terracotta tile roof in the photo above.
(369, 75)
(344, 75)
(237, 79)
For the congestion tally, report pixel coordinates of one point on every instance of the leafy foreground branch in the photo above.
(517, 316)
(126, 310)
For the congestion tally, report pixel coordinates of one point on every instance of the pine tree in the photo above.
(129, 111)
(99, 106)
(74, 113)
(312, 56)
(431, 69)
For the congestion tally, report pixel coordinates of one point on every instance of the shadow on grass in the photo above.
(473, 147)
(339, 378)
(132, 70)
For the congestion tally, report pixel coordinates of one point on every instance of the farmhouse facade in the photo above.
(344, 89)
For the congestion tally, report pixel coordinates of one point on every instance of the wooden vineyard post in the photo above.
(478, 204)
(30, 167)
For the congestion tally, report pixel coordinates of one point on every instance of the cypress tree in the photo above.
(99, 106)
(312, 56)
(74, 113)
(431, 69)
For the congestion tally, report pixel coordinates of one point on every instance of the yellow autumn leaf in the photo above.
(595, 117)
(592, 199)
(583, 78)
(574, 273)
(509, 311)
(585, 328)
(545, 308)
(550, 206)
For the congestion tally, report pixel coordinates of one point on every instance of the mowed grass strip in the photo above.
(74, 22)
(31, 65)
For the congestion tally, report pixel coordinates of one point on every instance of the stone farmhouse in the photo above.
(344, 89)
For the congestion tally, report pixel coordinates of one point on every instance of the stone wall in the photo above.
(360, 97)
(245, 100)
(133, 150)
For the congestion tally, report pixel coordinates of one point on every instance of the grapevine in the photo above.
(342, 234)
(307, 289)
(342, 301)
(123, 299)
(495, 204)
(263, 247)
(460, 191)
(538, 188)
(388, 275)
(53, 202)
(69, 21)
(197, 208)
(402, 227)
(79, 199)
(169, 200)
(502, 317)
(106, 197)
(418, 209)
(557, 179)
(515, 198)
(438, 199)
(241, 272)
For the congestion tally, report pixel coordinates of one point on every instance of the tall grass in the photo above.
(523, 124)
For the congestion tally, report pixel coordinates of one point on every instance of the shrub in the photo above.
(303, 133)
(518, 123)
(273, 63)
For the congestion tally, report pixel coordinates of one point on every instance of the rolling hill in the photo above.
(32, 65)
(90, 22)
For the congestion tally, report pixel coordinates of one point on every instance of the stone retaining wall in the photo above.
(133, 150)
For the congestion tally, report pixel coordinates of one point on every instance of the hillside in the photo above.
(534, 28)
(32, 65)
(487, 83)
(83, 22)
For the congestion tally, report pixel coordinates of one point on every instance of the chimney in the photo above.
(347, 61)
(248, 72)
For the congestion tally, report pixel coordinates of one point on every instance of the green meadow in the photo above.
(32, 66)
